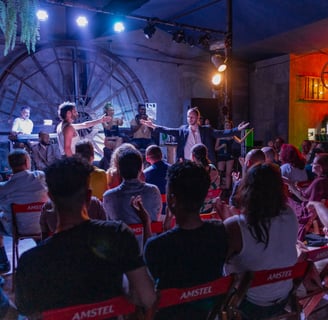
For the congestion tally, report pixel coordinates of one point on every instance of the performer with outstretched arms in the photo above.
(192, 133)
(67, 130)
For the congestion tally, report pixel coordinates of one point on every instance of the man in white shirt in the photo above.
(192, 133)
(23, 124)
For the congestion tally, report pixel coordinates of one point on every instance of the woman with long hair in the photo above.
(262, 237)
(113, 175)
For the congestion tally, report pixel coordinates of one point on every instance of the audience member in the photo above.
(107, 154)
(225, 157)
(48, 218)
(316, 191)
(67, 130)
(85, 260)
(142, 135)
(111, 128)
(292, 164)
(277, 143)
(262, 237)
(253, 156)
(98, 177)
(156, 172)
(193, 252)
(23, 124)
(199, 155)
(192, 133)
(113, 176)
(24, 186)
(306, 150)
(317, 148)
(117, 201)
(44, 152)
(270, 155)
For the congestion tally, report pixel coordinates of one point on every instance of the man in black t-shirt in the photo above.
(194, 251)
(85, 260)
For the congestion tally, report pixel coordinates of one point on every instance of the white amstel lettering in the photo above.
(280, 275)
(36, 207)
(92, 313)
(196, 292)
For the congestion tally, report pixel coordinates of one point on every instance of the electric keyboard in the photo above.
(34, 136)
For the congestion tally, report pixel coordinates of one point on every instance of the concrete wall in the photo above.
(269, 98)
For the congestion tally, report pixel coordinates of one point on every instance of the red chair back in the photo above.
(99, 310)
(156, 227)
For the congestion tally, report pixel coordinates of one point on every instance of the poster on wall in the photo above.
(311, 134)
(151, 110)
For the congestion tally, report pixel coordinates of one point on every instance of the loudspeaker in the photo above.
(209, 109)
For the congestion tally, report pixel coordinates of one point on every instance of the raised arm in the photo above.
(91, 123)
(229, 132)
(243, 125)
(148, 123)
(241, 140)
(137, 205)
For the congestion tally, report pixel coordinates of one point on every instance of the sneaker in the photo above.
(4, 267)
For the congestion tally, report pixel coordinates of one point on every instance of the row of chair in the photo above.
(233, 288)
(22, 230)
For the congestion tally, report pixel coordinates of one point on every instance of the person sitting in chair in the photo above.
(194, 251)
(24, 186)
(85, 260)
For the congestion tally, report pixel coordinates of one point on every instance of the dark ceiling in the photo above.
(260, 28)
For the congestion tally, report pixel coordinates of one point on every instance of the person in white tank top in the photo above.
(262, 237)
(67, 130)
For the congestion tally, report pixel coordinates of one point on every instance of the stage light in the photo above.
(82, 21)
(219, 62)
(149, 30)
(179, 36)
(42, 15)
(205, 40)
(216, 79)
(119, 26)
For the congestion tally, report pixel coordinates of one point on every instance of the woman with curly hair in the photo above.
(262, 237)
(293, 163)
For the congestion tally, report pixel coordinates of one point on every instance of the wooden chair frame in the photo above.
(34, 209)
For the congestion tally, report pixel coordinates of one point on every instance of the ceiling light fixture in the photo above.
(219, 62)
(119, 26)
(82, 21)
(179, 36)
(205, 40)
(42, 15)
(149, 30)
